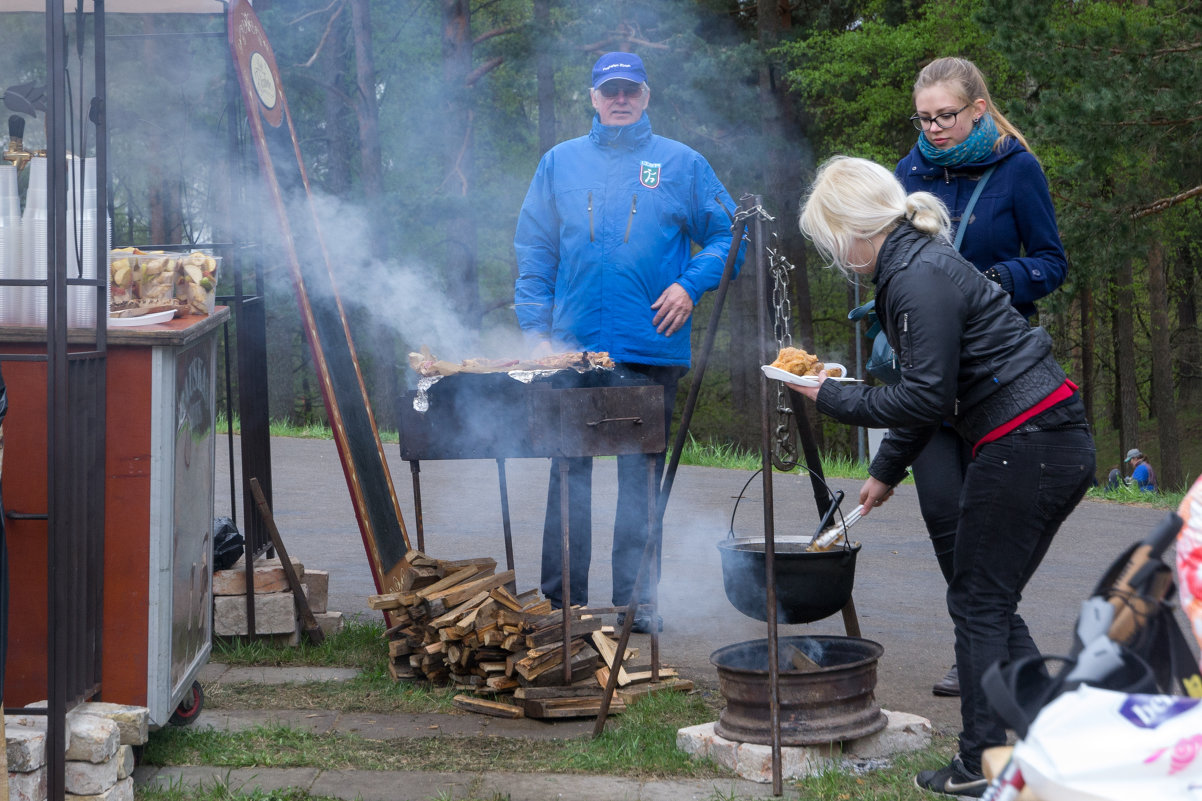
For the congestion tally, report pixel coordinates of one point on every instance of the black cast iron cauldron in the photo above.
(810, 585)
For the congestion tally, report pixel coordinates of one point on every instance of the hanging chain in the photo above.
(784, 454)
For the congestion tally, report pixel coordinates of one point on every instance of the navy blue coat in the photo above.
(1013, 225)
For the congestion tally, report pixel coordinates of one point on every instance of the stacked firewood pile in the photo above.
(461, 622)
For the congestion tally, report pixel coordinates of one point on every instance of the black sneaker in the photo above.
(955, 779)
(642, 623)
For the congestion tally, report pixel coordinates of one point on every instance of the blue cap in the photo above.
(624, 66)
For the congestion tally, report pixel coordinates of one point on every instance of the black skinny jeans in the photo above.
(1017, 492)
(939, 477)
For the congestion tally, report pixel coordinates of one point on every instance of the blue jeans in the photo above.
(1017, 492)
(630, 522)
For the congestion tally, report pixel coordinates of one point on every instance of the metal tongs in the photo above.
(828, 532)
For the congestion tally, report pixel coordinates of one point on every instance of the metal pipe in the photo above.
(761, 284)
(707, 347)
(505, 525)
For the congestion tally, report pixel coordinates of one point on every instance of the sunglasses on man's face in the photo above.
(613, 88)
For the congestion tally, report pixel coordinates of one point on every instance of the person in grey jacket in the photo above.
(969, 358)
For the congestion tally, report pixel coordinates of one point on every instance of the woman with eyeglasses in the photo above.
(971, 365)
(966, 144)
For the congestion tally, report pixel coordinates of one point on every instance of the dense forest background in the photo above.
(421, 122)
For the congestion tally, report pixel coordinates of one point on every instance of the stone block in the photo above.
(93, 739)
(317, 588)
(36, 721)
(275, 613)
(125, 762)
(904, 732)
(27, 786)
(88, 778)
(269, 576)
(330, 622)
(133, 721)
(695, 740)
(26, 746)
(121, 791)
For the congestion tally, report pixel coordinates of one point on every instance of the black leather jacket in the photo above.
(967, 356)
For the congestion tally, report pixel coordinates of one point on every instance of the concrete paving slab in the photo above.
(233, 720)
(243, 780)
(385, 727)
(286, 675)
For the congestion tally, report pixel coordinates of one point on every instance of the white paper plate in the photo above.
(803, 381)
(145, 319)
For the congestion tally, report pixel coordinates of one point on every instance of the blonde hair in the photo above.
(854, 199)
(965, 79)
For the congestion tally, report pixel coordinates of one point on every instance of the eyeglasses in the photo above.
(944, 121)
(612, 89)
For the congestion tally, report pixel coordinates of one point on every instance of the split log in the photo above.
(496, 709)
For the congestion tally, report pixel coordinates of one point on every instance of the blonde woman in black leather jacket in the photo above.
(969, 358)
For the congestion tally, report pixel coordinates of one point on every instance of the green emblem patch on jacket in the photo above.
(649, 174)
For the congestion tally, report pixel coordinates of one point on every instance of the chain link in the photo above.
(784, 455)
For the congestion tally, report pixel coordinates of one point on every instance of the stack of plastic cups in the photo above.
(35, 239)
(10, 244)
(81, 241)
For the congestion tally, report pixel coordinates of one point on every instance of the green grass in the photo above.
(359, 644)
(222, 791)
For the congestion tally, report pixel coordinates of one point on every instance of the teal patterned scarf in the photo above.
(977, 146)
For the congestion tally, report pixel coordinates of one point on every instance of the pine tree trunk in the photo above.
(1164, 407)
(1188, 352)
(1124, 346)
(544, 71)
(459, 225)
(1087, 352)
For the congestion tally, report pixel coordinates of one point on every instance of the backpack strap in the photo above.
(972, 202)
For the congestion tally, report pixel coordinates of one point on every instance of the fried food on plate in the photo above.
(798, 362)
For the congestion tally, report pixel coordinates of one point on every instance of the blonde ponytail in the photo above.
(854, 199)
(928, 214)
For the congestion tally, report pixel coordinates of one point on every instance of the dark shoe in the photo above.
(955, 779)
(642, 623)
(949, 685)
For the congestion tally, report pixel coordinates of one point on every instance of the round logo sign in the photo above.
(264, 82)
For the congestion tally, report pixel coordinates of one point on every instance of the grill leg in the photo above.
(415, 470)
(655, 533)
(566, 596)
(505, 525)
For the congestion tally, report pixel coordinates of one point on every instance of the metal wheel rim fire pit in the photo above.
(832, 703)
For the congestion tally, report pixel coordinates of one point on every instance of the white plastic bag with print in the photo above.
(1101, 745)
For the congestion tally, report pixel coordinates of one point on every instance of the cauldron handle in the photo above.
(730, 534)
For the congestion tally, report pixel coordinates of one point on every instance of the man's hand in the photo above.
(811, 392)
(673, 308)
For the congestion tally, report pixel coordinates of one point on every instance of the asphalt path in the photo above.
(899, 592)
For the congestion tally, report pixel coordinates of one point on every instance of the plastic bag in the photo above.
(882, 362)
(1100, 745)
(227, 544)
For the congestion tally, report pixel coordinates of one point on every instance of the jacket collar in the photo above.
(626, 137)
(896, 252)
(929, 168)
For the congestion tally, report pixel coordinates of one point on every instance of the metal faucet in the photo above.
(15, 151)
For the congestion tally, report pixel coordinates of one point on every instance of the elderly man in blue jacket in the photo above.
(606, 263)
